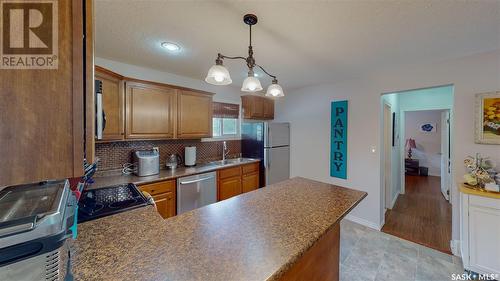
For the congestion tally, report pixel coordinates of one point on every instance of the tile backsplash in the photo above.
(113, 155)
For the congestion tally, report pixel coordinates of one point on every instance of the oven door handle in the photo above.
(17, 226)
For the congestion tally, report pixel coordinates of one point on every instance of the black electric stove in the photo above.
(98, 203)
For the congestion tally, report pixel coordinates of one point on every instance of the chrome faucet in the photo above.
(225, 151)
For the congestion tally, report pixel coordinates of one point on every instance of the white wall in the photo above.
(308, 110)
(229, 94)
(428, 150)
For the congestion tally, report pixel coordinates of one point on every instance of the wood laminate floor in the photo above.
(421, 215)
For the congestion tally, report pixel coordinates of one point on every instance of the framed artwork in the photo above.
(487, 118)
(427, 127)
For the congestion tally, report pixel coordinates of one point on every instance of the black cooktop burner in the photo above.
(98, 203)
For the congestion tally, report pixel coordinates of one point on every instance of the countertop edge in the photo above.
(479, 192)
(285, 267)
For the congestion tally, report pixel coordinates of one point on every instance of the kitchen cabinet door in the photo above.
(268, 111)
(259, 108)
(229, 187)
(194, 115)
(165, 204)
(42, 110)
(113, 103)
(250, 182)
(483, 232)
(149, 111)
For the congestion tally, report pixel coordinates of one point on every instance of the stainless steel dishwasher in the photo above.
(196, 191)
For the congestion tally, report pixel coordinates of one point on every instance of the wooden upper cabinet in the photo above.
(149, 111)
(268, 111)
(113, 96)
(256, 107)
(194, 115)
(42, 110)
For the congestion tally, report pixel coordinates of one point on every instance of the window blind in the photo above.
(225, 110)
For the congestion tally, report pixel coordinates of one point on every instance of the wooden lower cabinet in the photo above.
(165, 204)
(229, 187)
(164, 195)
(320, 262)
(250, 182)
(237, 180)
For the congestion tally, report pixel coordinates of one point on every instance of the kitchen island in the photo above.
(285, 231)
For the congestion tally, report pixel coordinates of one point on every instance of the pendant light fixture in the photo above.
(219, 75)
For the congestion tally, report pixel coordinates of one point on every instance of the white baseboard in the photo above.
(455, 247)
(364, 222)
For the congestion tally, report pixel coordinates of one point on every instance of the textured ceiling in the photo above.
(302, 42)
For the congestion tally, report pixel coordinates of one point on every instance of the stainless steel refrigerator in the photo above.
(269, 142)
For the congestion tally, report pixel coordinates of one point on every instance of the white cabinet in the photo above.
(480, 232)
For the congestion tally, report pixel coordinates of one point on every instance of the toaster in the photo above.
(147, 162)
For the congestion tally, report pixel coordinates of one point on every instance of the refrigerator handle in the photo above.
(266, 158)
(268, 137)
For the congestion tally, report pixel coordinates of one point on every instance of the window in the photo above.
(225, 127)
(225, 122)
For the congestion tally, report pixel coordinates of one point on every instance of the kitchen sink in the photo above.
(232, 161)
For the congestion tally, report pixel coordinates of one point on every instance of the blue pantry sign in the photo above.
(338, 145)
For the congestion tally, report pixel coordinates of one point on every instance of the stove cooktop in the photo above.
(98, 203)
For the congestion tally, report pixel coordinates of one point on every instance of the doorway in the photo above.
(417, 204)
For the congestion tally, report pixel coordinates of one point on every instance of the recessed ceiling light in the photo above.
(172, 47)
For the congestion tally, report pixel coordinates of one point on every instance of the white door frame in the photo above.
(445, 154)
(387, 154)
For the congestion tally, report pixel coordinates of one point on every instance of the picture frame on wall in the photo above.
(487, 118)
(428, 127)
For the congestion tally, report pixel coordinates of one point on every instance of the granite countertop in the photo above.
(258, 235)
(165, 174)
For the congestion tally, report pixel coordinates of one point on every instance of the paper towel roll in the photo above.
(190, 156)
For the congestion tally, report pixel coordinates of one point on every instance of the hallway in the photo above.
(421, 215)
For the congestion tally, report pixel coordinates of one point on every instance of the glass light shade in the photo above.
(218, 75)
(274, 90)
(251, 84)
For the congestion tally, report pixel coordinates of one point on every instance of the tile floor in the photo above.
(367, 254)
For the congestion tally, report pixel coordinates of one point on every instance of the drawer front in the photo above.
(159, 187)
(230, 172)
(484, 202)
(250, 168)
